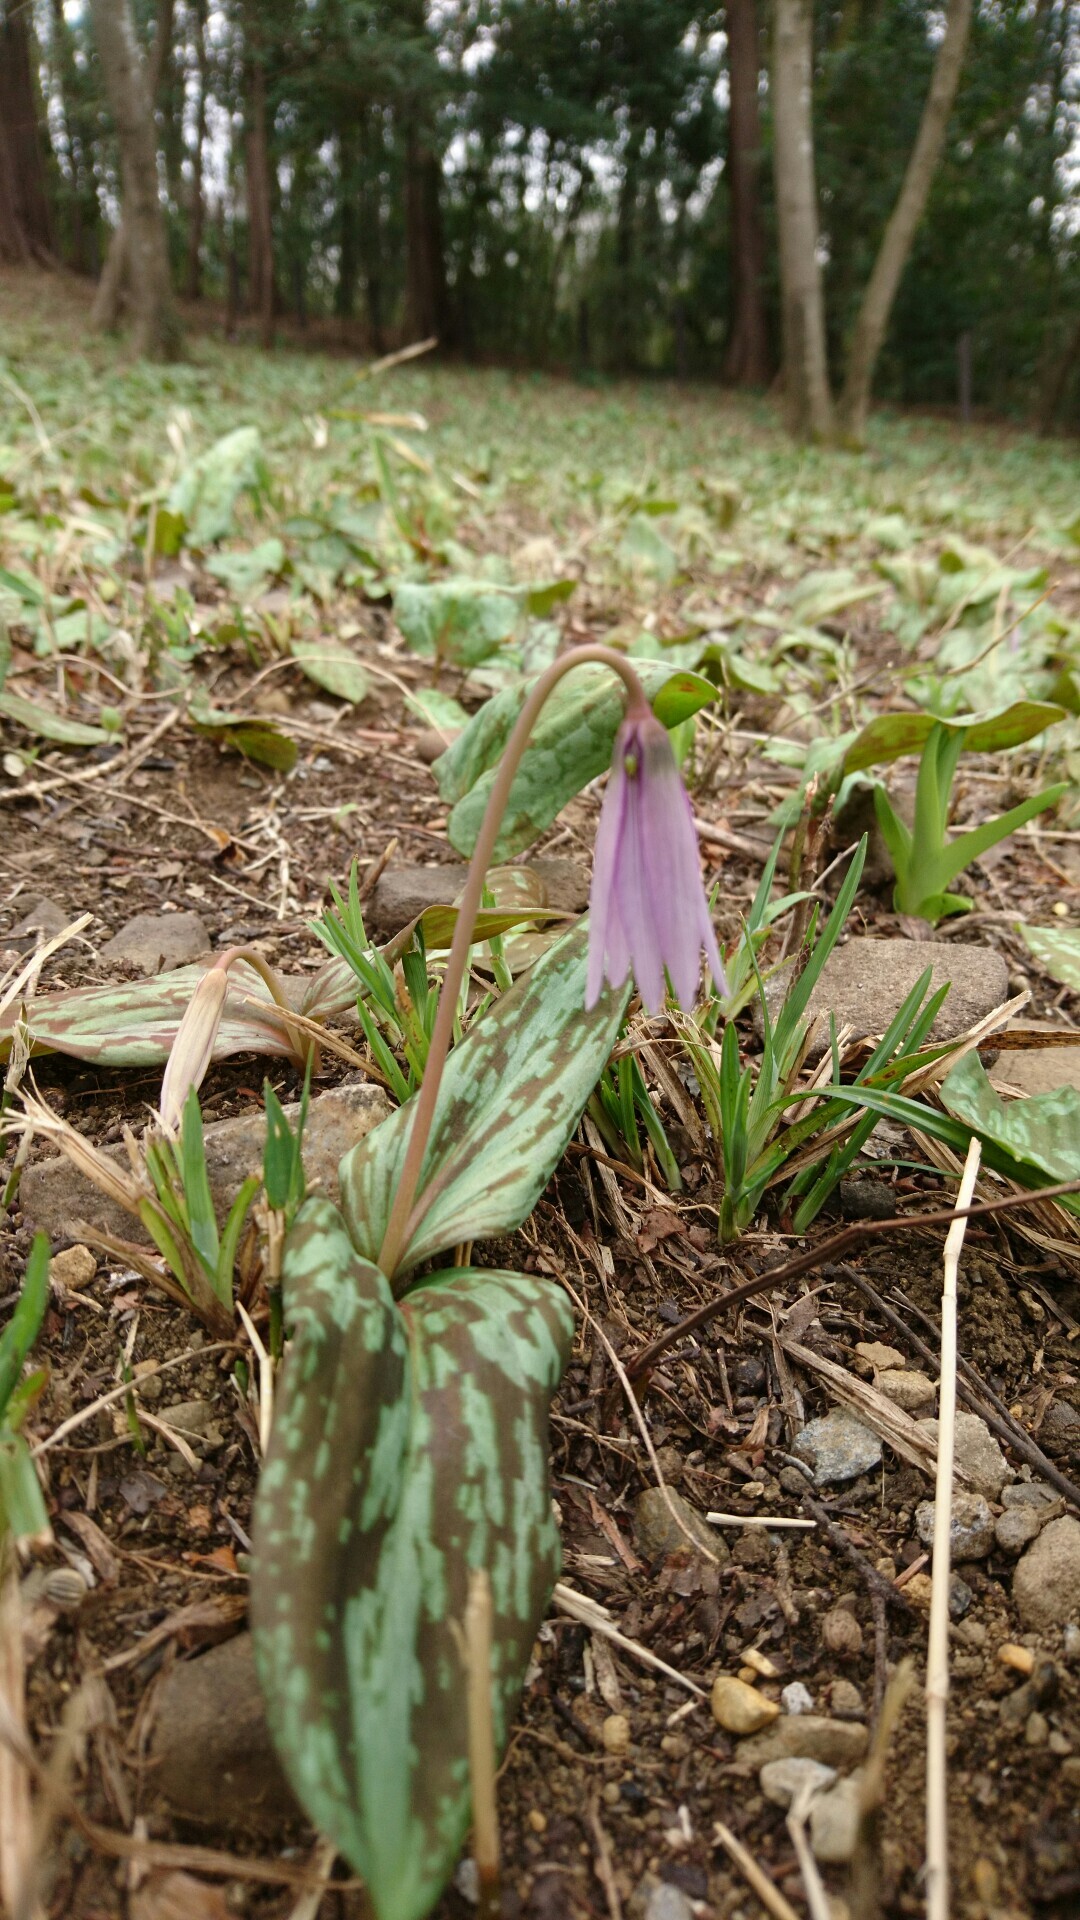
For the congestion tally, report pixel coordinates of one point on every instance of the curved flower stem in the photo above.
(400, 1224)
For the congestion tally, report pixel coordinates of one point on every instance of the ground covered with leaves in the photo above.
(244, 603)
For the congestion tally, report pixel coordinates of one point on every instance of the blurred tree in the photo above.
(156, 332)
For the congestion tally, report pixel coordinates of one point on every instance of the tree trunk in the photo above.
(25, 216)
(196, 210)
(899, 235)
(1055, 382)
(257, 171)
(426, 315)
(156, 333)
(115, 274)
(747, 360)
(806, 374)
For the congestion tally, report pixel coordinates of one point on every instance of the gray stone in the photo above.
(781, 1781)
(1016, 1528)
(1032, 1493)
(1046, 1582)
(834, 1822)
(154, 942)
(403, 892)
(657, 1532)
(666, 1902)
(795, 1698)
(807, 1736)
(971, 1531)
(846, 1701)
(839, 1447)
(43, 922)
(213, 1759)
(1071, 1643)
(865, 982)
(977, 1453)
(906, 1388)
(1060, 1430)
(55, 1197)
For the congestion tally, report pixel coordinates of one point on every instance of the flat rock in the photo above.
(657, 1532)
(213, 1758)
(834, 1822)
(977, 1453)
(864, 983)
(1046, 1582)
(1017, 1527)
(667, 1902)
(1037, 1070)
(839, 1447)
(971, 1531)
(44, 921)
(154, 942)
(57, 1198)
(403, 892)
(781, 1781)
(807, 1736)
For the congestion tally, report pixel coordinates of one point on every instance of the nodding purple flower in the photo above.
(647, 906)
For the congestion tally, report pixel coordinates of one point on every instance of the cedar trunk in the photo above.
(425, 270)
(747, 361)
(806, 375)
(899, 235)
(257, 171)
(25, 217)
(196, 211)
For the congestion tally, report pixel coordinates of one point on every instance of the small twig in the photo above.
(937, 1652)
(816, 1897)
(755, 1520)
(866, 1864)
(84, 1414)
(590, 1614)
(877, 1582)
(771, 1898)
(266, 1379)
(603, 1863)
(322, 1863)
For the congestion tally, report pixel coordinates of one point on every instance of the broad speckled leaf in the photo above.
(570, 745)
(1041, 1131)
(409, 1446)
(1057, 949)
(460, 620)
(893, 735)
(333, 665)
(512, 1094)
(134, 1024)
(51, 726)
(206, 492)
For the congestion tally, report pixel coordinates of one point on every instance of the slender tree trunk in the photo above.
(1055, 382)
(747, 361)
(806, 373)
(109, 298)
(26, 230)
(197, 211)
(899, 235)
(156, 329)
(257, 172)
(426, 309)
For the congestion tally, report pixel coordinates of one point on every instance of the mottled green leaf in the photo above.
(1057, 949)
(511, 1096)
(205, 494)
(893, 735)
(134, 1024)
(570, 745)
(49, 725)
(409, 1446)
(1041, 1131)
(256, 739)
(460, 620)
(333, 665)
(246, 572)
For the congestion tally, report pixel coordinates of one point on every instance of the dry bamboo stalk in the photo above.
(937, 1652)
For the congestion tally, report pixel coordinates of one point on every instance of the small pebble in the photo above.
(919, 1589)
(1070, 1770)
(611, 1793)
(74, 1268)
(878, 1357)
(973, 1633)
(1071, 1642)
(971, 1533)
(760, 1662)
(1022, 1659)
(739, 1708)
(668, 1902)
(834, 1822)
(538, 1820)
(846, 1701)
(782, 1780)
(1016, 1528)
(986, 1882)
(795, 1698)
(675, 1745)
(615, 1734)
(1036, 1730)
(910, 1391)
(1059, 1742)
(839, 1447)
(960, 1597)
(841, 1632)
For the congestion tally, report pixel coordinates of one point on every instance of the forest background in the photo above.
(594, 186)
